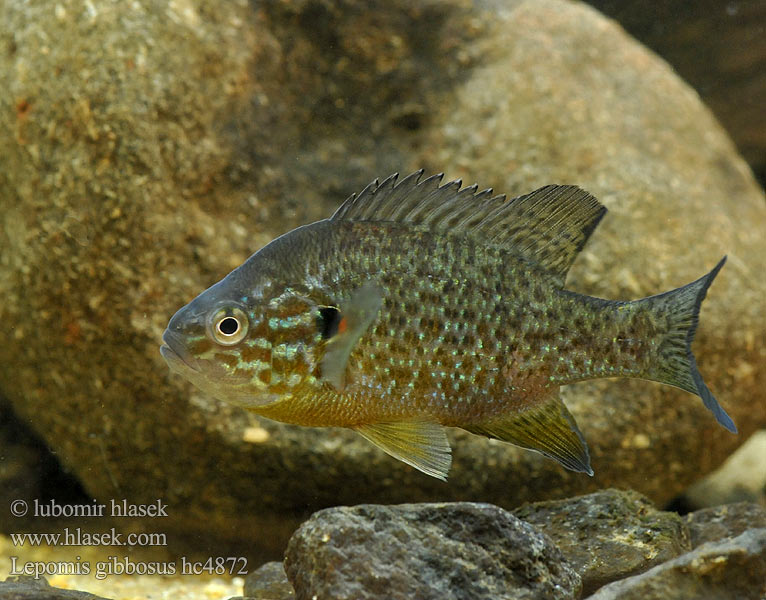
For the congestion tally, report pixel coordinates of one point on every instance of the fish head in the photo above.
(247, 341)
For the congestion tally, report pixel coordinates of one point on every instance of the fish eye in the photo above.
(229, 326)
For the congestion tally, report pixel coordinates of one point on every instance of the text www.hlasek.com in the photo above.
(113, 565)
(76, 537)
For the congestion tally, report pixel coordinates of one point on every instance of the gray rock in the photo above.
(145, 153)
(731, 569)
(720, 522)
(440, 551)
(269, 582)
(29, 588)
(609, 535)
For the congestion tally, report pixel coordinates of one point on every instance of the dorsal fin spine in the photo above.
(548, 227)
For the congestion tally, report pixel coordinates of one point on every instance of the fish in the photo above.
(420, 306)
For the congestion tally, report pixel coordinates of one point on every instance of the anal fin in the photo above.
(420, 444)
(548, 428)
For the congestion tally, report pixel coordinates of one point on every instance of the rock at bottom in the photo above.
(29, 588)
(268, 582)
(727, 521)
(449, 551)
(731, 569)
(609, 535)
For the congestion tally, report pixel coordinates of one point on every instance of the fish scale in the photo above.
(517, 318)
(419, 306)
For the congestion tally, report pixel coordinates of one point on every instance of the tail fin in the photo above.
(676, 365)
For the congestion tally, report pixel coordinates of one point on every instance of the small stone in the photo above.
(255, 435)
(269, 582)
(729, 569)
(455, 551)
(31, 588)
(720, 522)
(610, 534)
(641, 441)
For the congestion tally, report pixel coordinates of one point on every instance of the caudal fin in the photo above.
(676, 365)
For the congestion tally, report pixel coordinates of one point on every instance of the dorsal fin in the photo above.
(548, 226)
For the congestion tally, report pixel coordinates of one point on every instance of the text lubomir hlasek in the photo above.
(114, 508)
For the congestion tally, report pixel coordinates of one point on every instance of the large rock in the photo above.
(730, 569)
(442, 551)
(145, 152)
(721, 522)
(609, 535)
(720, 49)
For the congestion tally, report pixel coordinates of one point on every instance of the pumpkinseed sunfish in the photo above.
(419, 306)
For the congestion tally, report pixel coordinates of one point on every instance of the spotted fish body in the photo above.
(420, 306)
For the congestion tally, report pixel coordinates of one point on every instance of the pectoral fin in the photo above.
(350, 322)
(548, 428)
(421, 444)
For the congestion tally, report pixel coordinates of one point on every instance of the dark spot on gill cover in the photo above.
(328, 321)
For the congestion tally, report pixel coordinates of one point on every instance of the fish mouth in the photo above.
(175, 354)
